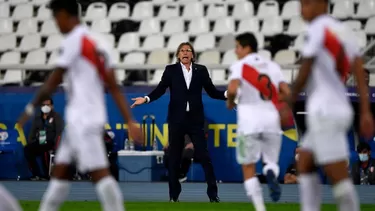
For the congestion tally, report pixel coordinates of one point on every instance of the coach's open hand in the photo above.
(136, 133)
(138, 101)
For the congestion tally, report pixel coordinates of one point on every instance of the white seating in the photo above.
(10, 58)
(17, 2)
(115, 56)
(251, 24)
(8, 42)
(53, 58)
(40, 2)
(355, 25)
(199, 26)
(158, 2)
(193, 10)
(291, 9)
(298, 42)
(30, 42)
(53, 42)
(218, 77)
(344, 9)
(217, 10)
(11, 76)
(285, 57)
(229, 57)
(366, 9)
(4, 10)
(37, 57)
(209, 57)
(265, 54)
(153, 42)
(169, 11)
(204, 42)
(260, 39)
(156, 77)
(142, 10)
(27, 26)
(173, 26)
(128, 42)
(176, 40)
(370, 26)
(226, 42)
(269, 8)
(44, 13)
(135, 58)
(118, 11)
(149, 26)
(362, 38)
(186, 1)
(296, 26)
(212, 1)
(288, 75)
(243, 10)
(96, 11)
(22, 11)
(49, 27)
(272, 26)
(158, 57)
(101, 25)
(110, 39)
(120, 76)
(6, 26)
(224, 26)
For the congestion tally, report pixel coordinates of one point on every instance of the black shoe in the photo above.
(215, 199)
(174, 200)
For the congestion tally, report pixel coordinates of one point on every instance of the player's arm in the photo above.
(234, 84)
(302, 77)
(362, 89)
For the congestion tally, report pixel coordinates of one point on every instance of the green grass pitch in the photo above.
(182, 206)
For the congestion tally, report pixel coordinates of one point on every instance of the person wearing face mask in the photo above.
(44, 133)
(363, 171)
(291, 173)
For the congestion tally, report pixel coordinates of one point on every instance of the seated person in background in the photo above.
(45, 131)
(291, 173)
(363, 171)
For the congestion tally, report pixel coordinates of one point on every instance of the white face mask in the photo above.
(46, 109)
(296, 157)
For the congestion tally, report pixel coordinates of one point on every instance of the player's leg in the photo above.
(7, 201)
(248, 154)
(270, 149)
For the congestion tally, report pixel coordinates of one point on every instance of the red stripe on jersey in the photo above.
(262, 83)
(335, 48)
(90, 52)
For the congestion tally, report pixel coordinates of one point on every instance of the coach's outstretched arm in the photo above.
(210, 87)
(157, 92)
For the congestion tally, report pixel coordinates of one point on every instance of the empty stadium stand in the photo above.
(148, 32)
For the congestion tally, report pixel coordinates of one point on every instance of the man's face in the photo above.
(62, 20)
(241, 51)
(185, 54)
(311, 8)
(46, 106)
(364, 155)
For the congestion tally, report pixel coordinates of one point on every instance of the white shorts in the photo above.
(83, 146)
(251, 147)
(326, 138)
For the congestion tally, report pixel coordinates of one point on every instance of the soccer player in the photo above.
(7, 201)
(87, 65)
(329, 55)
(259, 81)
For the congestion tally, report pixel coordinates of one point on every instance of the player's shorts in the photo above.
(84, 146)
(326, 138)
(250, 148)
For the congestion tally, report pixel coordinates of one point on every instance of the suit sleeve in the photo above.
(210, 87)
(161, 88)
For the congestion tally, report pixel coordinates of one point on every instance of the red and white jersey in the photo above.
(85, 58)
(258, 94)
(334, 48)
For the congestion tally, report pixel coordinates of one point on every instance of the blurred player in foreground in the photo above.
(259, 81)
(329, 55)
(87, 66)
(7, 201)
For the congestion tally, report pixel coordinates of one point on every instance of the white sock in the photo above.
(110, 194)
(346, 196)
(310, 192)
(255, 193)
(56, 194)
(7, 201)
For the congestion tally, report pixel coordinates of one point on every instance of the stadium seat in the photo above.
(366, 9)
(344, 9)
(119, 11)
(22, 11)
(260, 39)
(8, 42)
(243, 10)
(153, 42)
(193, 10)
(217, 10)
(4, 10)
(11, 76)
(229, 57)
(44, 13)
(248, 25)
(149, 26)
(355, 25)
(53, 57)
(30, 42)
(186, 1)
(158, 57)
(10, 58)
(17, 2)
(96, 11)
(204, 42)
(212, 1)
(285, 57)
(173, 26)
(298, 43)
(296, 26)
(226, 42)
(128, 42)
(235, 1)
(101, 25)
(370, 26)
(218, 77)
(265, 54)
(224, 26)
(362, 38)
(272, 26)
(209, 57)
(176, 40)
(288, 74)
(269, 8)
(27, 26)
(115, 56)
(135, 58)
(291, 9)
(157, 2)
(169, 11)
(49, 28)
(37, 57)
(6, 26)
(40, 2)
(156, 77)
(120, 75)
(110, 39)
(53, 42)
(142, 10)
(199, 26)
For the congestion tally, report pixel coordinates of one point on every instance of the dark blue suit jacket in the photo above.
(173, 79)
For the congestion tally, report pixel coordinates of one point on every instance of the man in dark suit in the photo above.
(185, 80)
